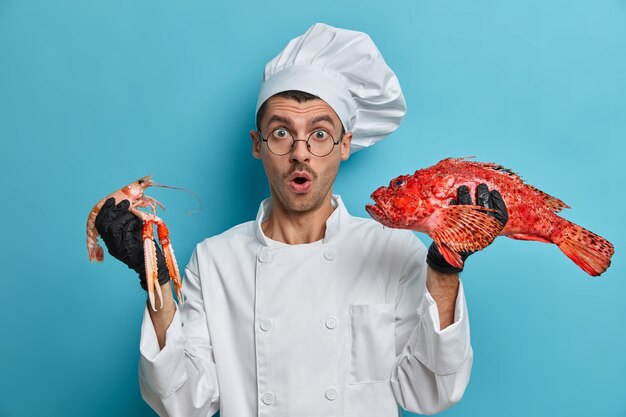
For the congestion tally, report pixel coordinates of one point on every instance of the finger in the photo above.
(132, 242)
(482, 196)
(463, 195)
(114, 235)
(133, 231)
(110, 215)
(103, 210)
(497, 202)
(123, 205)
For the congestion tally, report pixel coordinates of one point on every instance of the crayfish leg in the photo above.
(152, 202)
(170, 259)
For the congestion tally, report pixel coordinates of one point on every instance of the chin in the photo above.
(302, 206)
(303, 203)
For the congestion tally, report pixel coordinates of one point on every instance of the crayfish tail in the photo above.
(96, 253)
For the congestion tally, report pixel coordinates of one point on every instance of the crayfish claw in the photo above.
(159, 293)
(149, 251)
(170, 259)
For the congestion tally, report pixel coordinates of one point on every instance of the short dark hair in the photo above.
(297, 95)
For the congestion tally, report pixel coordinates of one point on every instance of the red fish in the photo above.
(421, 202)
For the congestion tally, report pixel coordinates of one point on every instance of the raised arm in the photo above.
(433, 368)
(177, 373)
(433, 364)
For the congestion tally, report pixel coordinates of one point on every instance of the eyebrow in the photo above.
(287, 121)
(280, 119)
(323, 119)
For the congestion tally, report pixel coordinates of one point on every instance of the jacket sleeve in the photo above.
(180, 379)
(433, 366)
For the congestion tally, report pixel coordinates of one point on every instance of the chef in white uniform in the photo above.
(307, 310)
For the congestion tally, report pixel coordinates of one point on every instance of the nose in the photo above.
(300, 151)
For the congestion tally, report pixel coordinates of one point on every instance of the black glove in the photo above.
(122, 231)
(484, 198)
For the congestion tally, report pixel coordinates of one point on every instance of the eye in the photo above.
(141, 182)
(320, 135)
(281, 133)
(399, 183)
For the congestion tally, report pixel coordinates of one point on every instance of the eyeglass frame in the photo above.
(294, 140)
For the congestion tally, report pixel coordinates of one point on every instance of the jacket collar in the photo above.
(333, 224)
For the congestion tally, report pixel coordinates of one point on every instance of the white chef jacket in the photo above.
(339, 327)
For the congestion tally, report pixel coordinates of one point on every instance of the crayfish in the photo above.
(135, 193)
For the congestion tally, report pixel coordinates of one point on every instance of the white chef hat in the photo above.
(346, 70)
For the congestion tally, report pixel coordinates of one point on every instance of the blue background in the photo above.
(96, 94)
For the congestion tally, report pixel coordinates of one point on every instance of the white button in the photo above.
(268, 398)
(329, 254)
(265, 257)
(331, 323)
(331, 394)
(265, 325)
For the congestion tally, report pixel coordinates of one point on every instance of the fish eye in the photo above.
(399, 183)
(141, 181)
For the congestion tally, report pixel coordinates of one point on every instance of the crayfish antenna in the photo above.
(189, 212)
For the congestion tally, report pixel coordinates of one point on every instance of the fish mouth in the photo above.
(375, 212)
(383, 213)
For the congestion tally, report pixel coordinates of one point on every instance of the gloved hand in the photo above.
(121, 231)
(484, 198)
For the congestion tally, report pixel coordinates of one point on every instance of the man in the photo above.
(307, 311)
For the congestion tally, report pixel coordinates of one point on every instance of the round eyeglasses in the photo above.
(281, 141)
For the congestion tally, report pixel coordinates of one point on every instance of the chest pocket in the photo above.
(372, 342)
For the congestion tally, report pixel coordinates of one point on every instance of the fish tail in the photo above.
(589, 251)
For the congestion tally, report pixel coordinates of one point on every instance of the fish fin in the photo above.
(553, 203)
(486, 165)
(526, 236)
(464, 228)
(589, 251)
(451, 257)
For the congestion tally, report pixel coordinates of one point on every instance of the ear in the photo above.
(256, 144)
(345, 146)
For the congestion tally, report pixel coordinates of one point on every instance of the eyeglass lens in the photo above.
(281, 141)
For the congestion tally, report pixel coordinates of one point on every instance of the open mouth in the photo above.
(300, 182)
